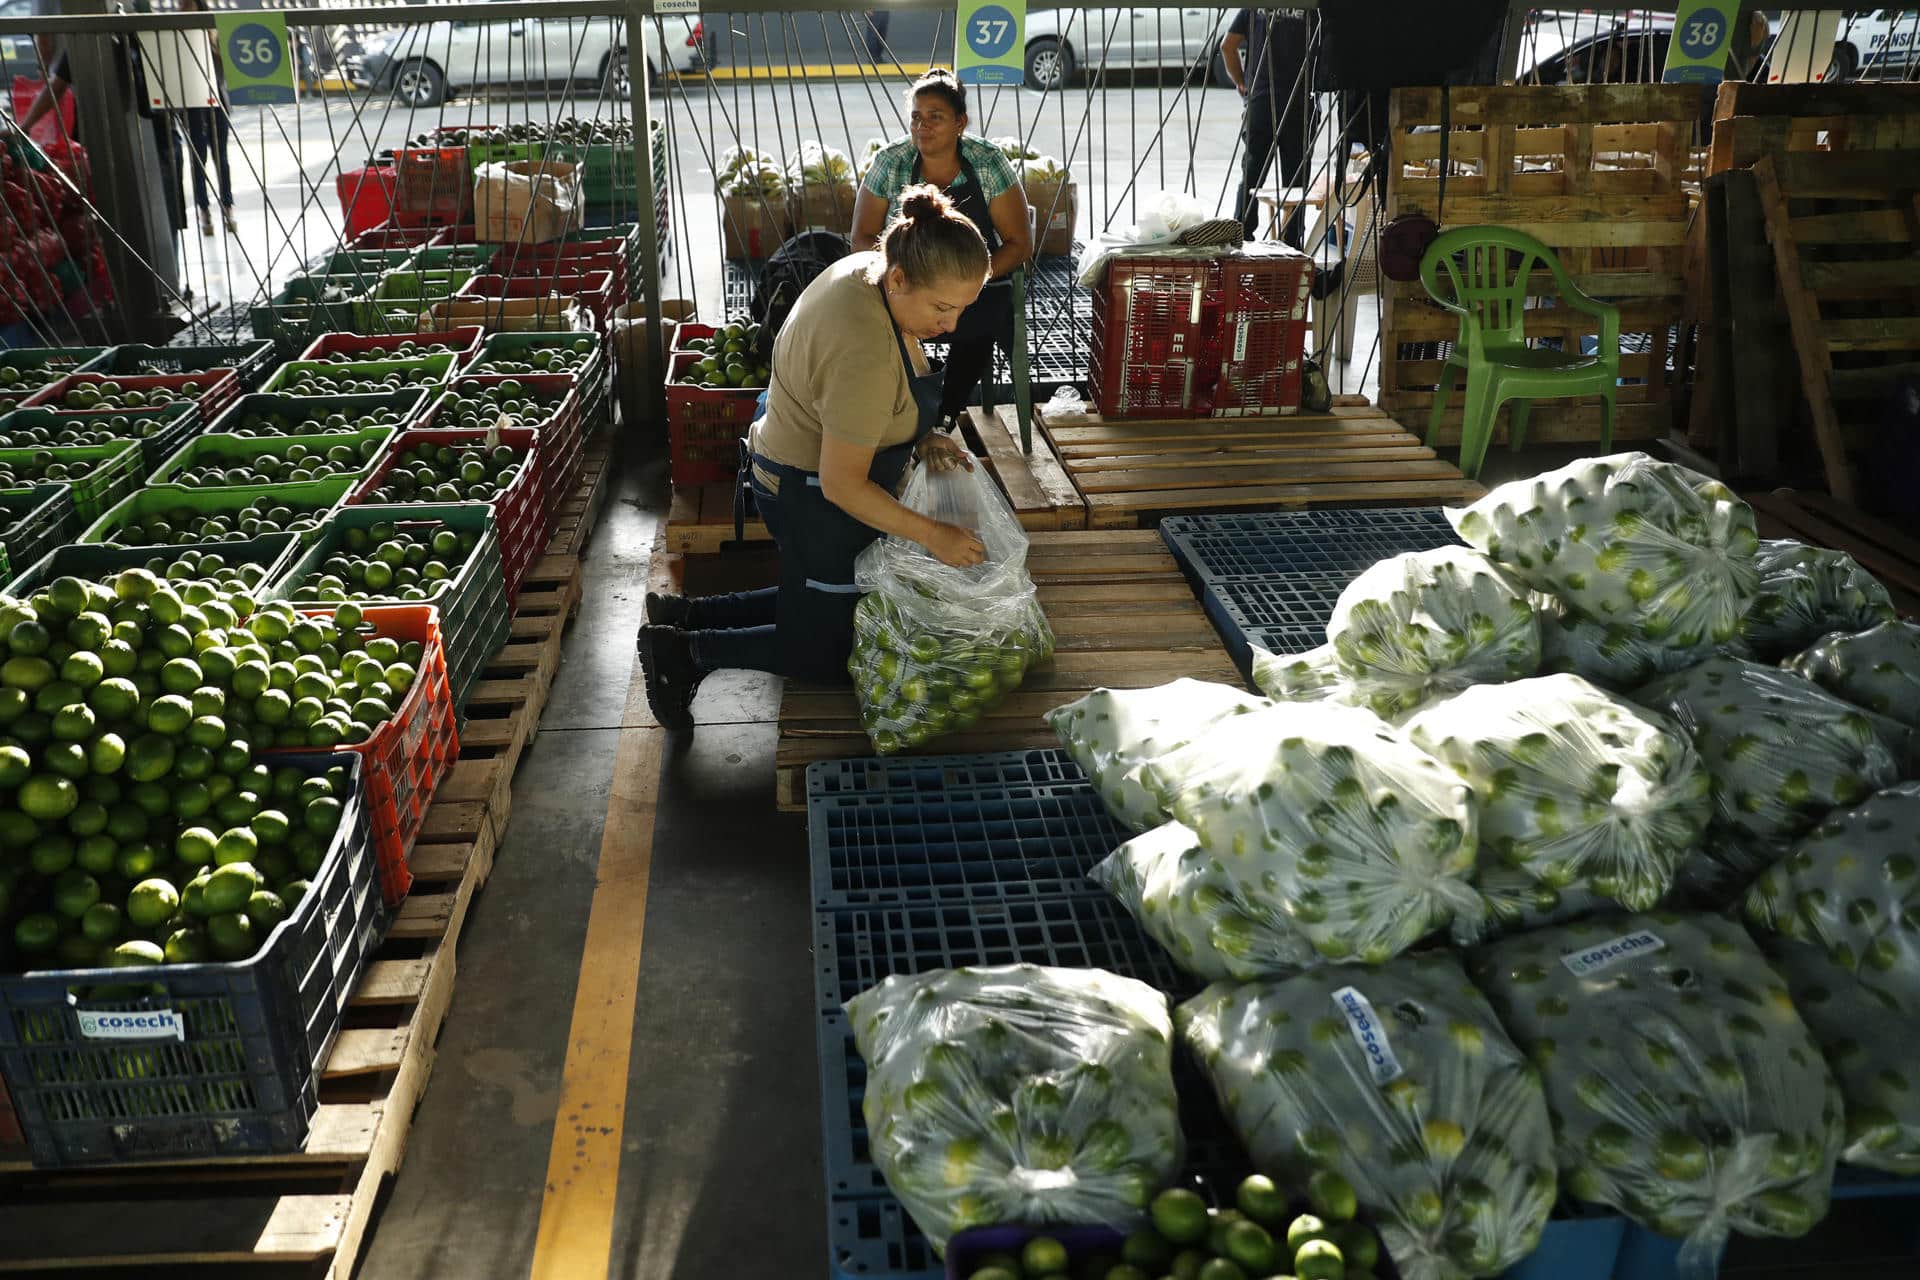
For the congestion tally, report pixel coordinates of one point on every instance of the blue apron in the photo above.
(819, 542)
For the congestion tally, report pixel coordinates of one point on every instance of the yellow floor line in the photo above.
(810, 71)
(583, 1165)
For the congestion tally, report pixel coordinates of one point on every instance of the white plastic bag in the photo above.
(1613, 657)
(934, 646)
(1878, 669)
(1806, 592)
(1018, 1094)
(1367, 840)
(1685, 1090)
(1627, 541)
(1313, 676)
(1165, 214)
(1400, 1080)
(1428, 623)
(1576, 789)
(1112, 733)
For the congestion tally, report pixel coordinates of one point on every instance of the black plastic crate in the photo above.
(1267, 545)
(33, 521)
(242, 1076)
(250, 361)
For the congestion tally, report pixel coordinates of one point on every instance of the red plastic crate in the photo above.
(562, 432)
(366, 197)
(519, 514)
(433, 181)
(593, 290)
(1202, 337)
(705, 426)
(390, 236)
(558, 258)
(465, 341)
(404, 761)
(214, 389)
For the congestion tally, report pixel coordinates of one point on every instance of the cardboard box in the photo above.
(753, 228)
(552, 314)
(822, 208)
(1056, 211)
(526, 201)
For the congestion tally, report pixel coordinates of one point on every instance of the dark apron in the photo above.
(819, 542)
(990, 318)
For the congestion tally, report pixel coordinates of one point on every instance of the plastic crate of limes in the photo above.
(727, 358)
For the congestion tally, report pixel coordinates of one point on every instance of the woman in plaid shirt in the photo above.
(981, 183)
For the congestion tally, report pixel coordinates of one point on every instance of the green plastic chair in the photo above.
(1486, 270)
(1014, 347)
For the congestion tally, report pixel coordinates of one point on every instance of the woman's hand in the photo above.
(955, 546)
(944, 453)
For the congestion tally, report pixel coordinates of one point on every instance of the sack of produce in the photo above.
(1613, 657)
(1576, 788)
(935, 647)
(1219, 916)
(1806, 592)
(1878, 669)
(1111, 733)
(1313, 676)
(1018, 1094)
(1516, 901)
(1852, 888)
(1782, 752)
(1400, 1081)
(1684, 1089)
(1366, 841)
(1628, 541)
(1428, 623)
(820, 188)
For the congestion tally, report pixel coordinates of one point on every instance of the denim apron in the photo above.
(818, 541)
(990, 317)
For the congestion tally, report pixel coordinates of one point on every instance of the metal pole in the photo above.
(642, 110)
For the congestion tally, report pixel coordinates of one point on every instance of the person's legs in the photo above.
(970, 349)
(198, 129)
(1254, 162)
(222, 135)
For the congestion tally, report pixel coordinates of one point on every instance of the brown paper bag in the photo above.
(526, 201)
(1055, 209)
(753, 228)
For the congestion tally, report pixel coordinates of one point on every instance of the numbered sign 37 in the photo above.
(1702, 35)
(988, 45)
(258, 56)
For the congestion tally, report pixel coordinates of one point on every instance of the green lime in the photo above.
(186, 945)
(134, 955)
(15, 766)
(152, 902)
(229, 887)
(194, 846)
(107, 754)
(266, 909)
(1332, 1196)
(1319, 1260)
(73, 892)
(136, 860)
(100, 922)
(237, 844)
(1303, 1229)
(1180, 1215)
(230, 934)
(37, 933)
(47, 798)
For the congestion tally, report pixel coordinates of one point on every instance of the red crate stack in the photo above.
(433, 181)
(211, 389)
(563, 440)
(1179, 337)
(465, 341)
(704, 424)
(593, 290)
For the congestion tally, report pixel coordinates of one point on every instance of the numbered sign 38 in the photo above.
(258, 56)
(1702, 34)
(988, 41)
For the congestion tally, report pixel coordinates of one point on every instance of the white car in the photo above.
(423, 64)
(1060, 40)
(1878, 44)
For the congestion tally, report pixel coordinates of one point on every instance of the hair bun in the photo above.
(924, 203)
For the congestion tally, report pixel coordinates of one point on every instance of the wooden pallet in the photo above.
(1131, 472)
(700, 521)
(1036, 484)
(573, 524)
(1755, 120)
(1826, 521)
(309, 1212)
(1123, 616)
(1845, 228)
(1598, 172)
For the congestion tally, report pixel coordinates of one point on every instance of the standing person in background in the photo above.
(1265, 52)
(877, 20)
(208, 129)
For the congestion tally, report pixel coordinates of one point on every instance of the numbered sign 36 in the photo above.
(988, 45)
(1702, 35)
(258, 56)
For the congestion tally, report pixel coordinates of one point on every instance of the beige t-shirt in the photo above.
(836, 369)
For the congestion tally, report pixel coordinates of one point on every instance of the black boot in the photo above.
(666, 658)
(668, 611)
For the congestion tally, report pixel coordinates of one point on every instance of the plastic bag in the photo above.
(1428, 623)
(1166, 214)
(1366, 840)
(1112, 733)
(1066, 403)
(1516, 901)
(935, 647)
(1872, 1045)
(1628, 541)
(1400, 1080)
(1685, 1091)
(1576, 788)
(1615, 658)
(1852, 888)
(1806, 592)
(1782, 752)
(1878, 669)
(1018, 1094)
(1313, 676)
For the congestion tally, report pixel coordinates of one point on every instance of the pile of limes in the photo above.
(727, 358)
(178, 526)
(317, 422)
(108, 394)
(449, 473)
(352, 379)
(386, 562)
(312, 682)
(558, 354)
(47, 467)
(36, 429)
(412, 349)
(475, 406)
(299, 462)
(137, 825)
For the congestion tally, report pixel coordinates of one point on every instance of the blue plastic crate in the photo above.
(1281, 615)
(1281, 544)
(931, 775)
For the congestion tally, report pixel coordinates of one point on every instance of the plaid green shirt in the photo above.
(892, 169)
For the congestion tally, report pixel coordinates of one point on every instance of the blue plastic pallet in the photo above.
(1281, 615)
(932, 775)
(1281, 544)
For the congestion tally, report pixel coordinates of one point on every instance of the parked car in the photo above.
(1059, 41)
(425, 63)
(1876, 44)
(1564, 47)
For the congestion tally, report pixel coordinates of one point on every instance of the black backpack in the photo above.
(793, 266)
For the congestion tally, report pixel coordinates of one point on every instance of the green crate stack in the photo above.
(24, 370)
(595, 402)
(420, 371)
(216, 448)
(411, 404)
(365, 265)
(249, 361)
(311, 499)
(35, 520)
(479, 152)
(95, 563)
(407, 294)
(474, 618)
(463, 257)
(301, 310)
(112, 471)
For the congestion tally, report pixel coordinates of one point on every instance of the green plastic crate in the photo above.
(514, 346)
(32, 368)
(437, 368)
(214, 447)
(411, 404)
(318, 498)
(479, 153)
(176, 421)
(297, 314)
(459, 257)
(95, 563)
(429, 285)
(116, 472)
(365, 264)
(474, 618)
(34, 521)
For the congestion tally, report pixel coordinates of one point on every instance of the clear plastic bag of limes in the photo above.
(936, 647)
